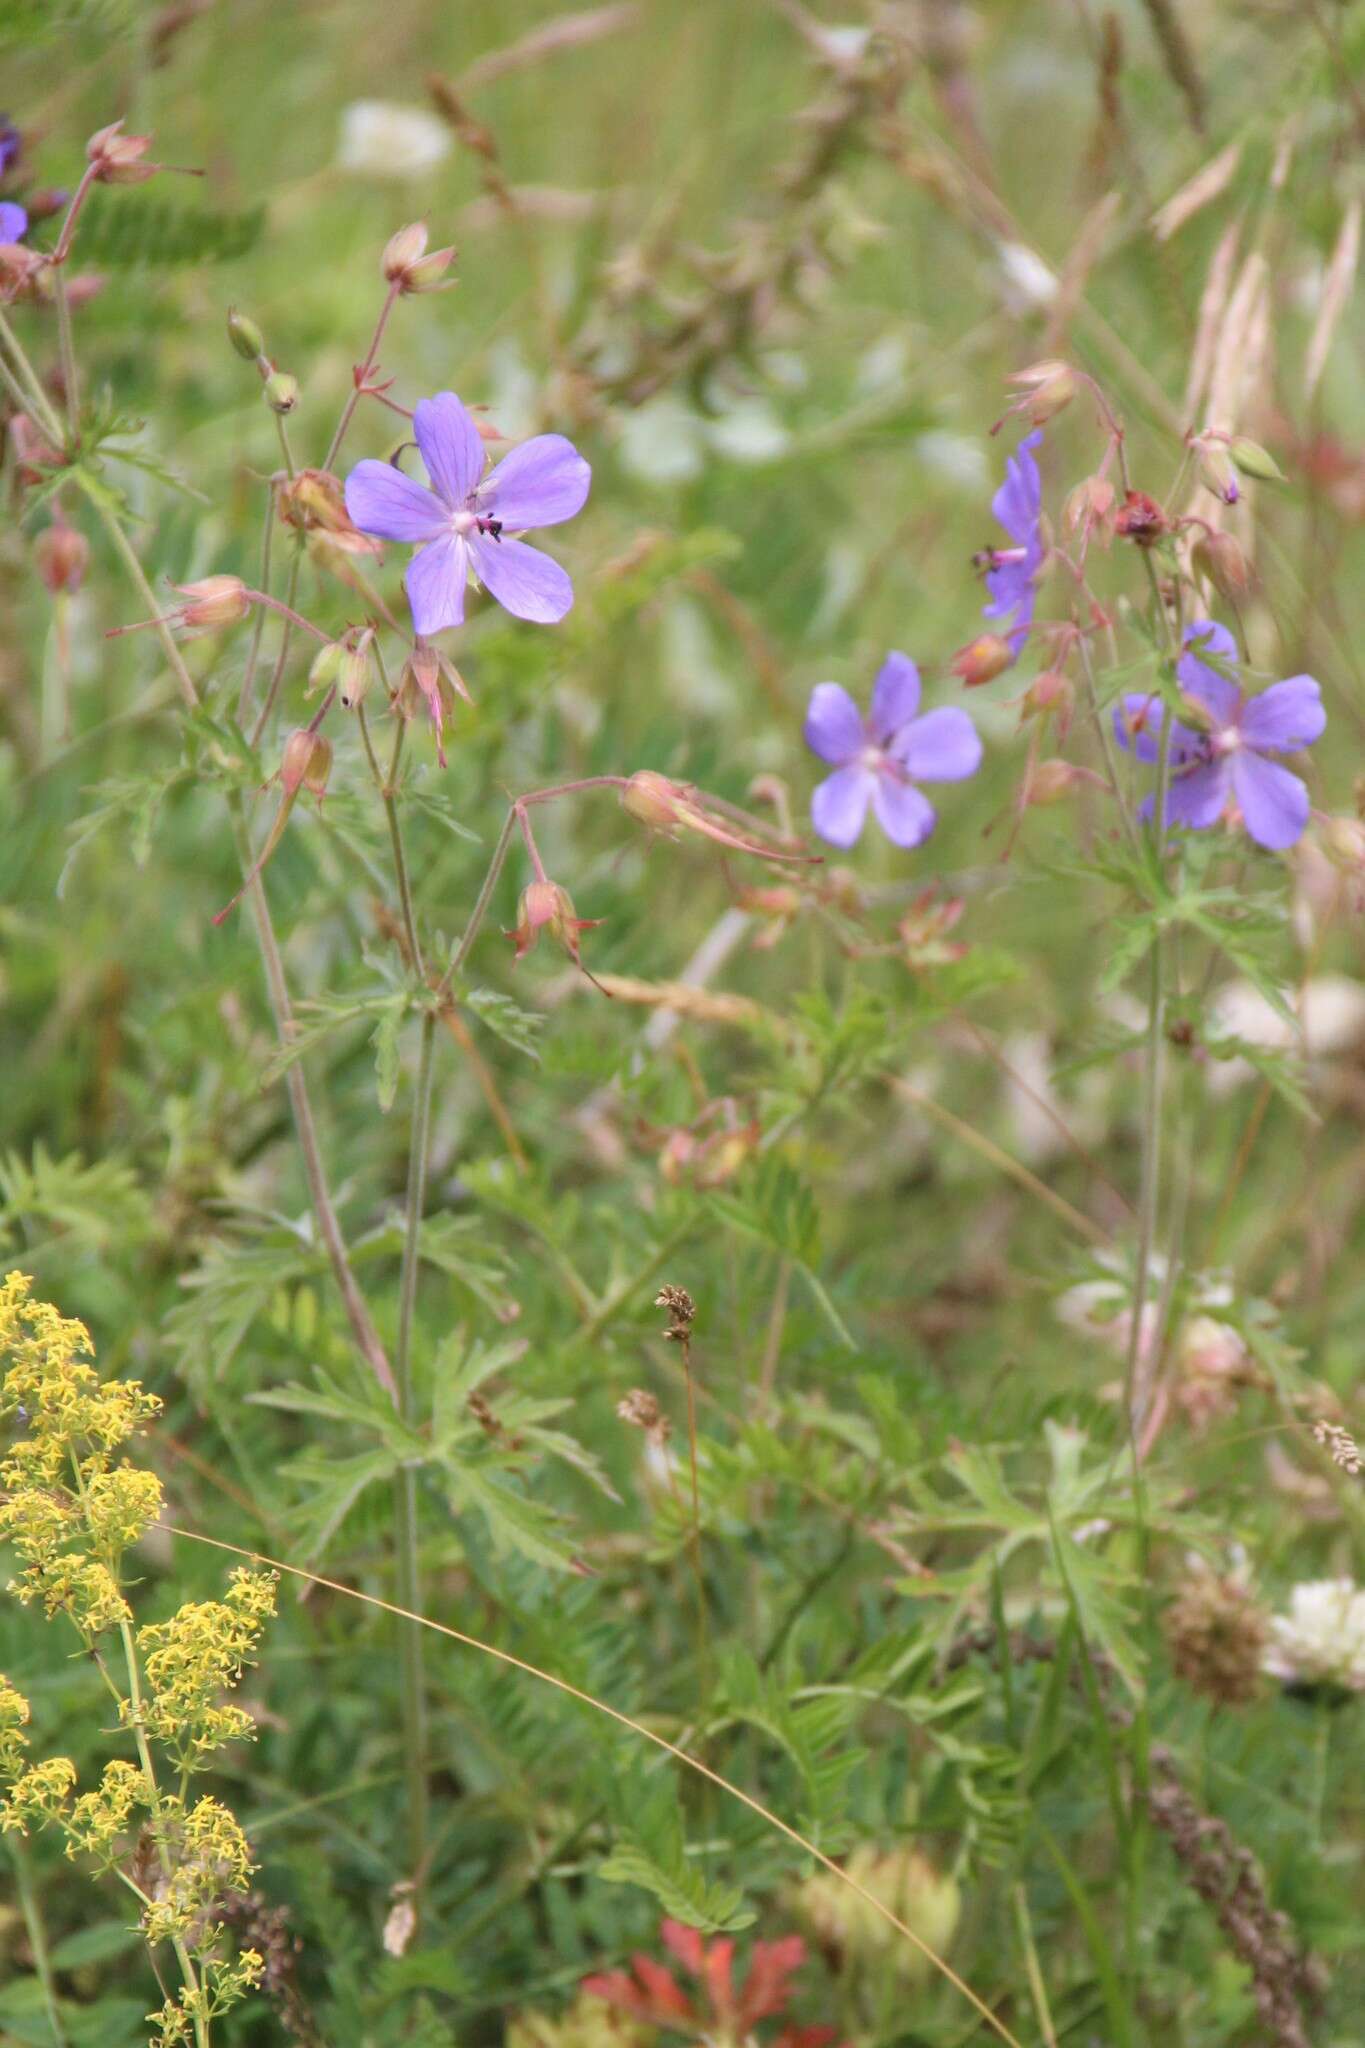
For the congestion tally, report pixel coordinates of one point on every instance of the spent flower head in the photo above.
(879, 758)
(465, 524)
(1228, 755)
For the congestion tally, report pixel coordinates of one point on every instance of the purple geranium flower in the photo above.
(13, 223)
(1230, 758)
(1012, 573)
(466, 521)
(11, 142)
(878, 759)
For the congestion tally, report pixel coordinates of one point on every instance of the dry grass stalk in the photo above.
(1207, 184)
(564, 32)
(1336, 294)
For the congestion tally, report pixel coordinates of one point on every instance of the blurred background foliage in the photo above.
(770, 274)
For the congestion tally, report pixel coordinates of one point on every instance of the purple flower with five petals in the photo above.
(13, 223)
(880, 758)
(466, 522)
(1230, 758)
(1012, 573)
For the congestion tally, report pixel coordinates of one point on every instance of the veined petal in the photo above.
(451, 447)
(834, 724)
(1199, 797)
(1019, 501)
(895, 697)
(539, 484)
(942, 746)
(1274, 803)
(13, 222)
(1219, 693)
(435, 580)
(382, 501)
(906, 816)
(1137, 724)
(1285, 717)
(838, 806)
(523, 580)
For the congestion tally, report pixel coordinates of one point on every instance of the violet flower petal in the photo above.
(435, 582)
(1199, 797)
(906, 817)
(1019, 501)
(1218, 693)
(13, 222)
(382, 501)
(539, 484)
(1284, 718)
(895, 698)
(523, 580)
(1274, 803)
(838, 805)
(942, 746)
(834, 725)
(451, 446)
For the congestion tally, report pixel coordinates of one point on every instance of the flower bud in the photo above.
(545, 906)
(1343, 841)
(1089, 507)
(245, 336)
(357, 670)
(1050, 692)
(326, 668)
(211, 602)
(306, 763)
(407, 264)
(430, 678)
(982, 660)
(1050, 782)
(61, 555)
(1047, 387)
(281, 391)
(1221, 558)
(651, 799)
(1141, 520)
(1254, 460)
(1216, 470)
(116, 158)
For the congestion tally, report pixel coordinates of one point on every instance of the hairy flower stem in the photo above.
(37, 1936)
(71, 386)
(357, 1313)
(387, 786)
(24, 375)
(127, 553)
(361, 378)
(412, 1648)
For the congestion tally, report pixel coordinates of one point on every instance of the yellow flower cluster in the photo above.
(194, 1657)
(211, 1857)
(71, 1508)
(62, 1486)
(98, 1819)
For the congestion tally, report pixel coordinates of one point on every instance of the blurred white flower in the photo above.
(661, 441)
(1331, 1019)
(954, 458)
(748, 430)
(1026, 283)
(383, 140)
(1322, 1638)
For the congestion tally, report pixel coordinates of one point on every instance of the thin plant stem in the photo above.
(277, 673)
(37, 1936)
(645, 1734)
(385, 785)
(253, 653)
(357, 1312)
(412, 1651)
(66, 349)
(285, 449)
(997, 1157)
(37, 401)
(1037, 1988)
(361, 378)
(127, 554)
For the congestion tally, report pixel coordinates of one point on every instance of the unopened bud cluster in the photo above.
(279, 389)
